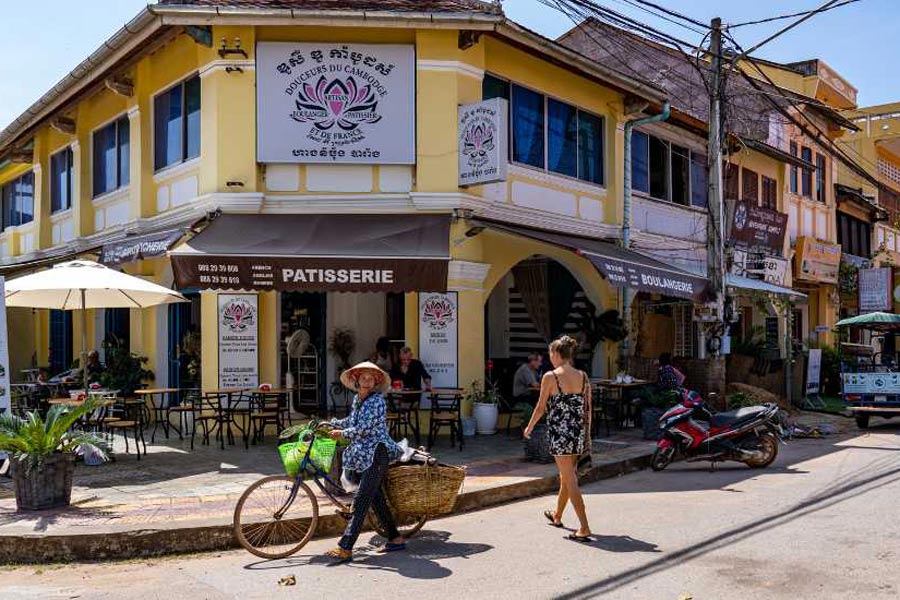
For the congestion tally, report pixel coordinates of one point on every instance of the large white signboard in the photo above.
(4, 351)
(483, 142)
(875, 290)
(772, 268)
(439, 338)
(813, 371)
(238, 340)
(335, 103)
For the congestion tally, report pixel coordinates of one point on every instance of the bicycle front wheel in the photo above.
(272, 520)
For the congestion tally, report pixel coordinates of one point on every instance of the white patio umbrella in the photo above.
(84, 284)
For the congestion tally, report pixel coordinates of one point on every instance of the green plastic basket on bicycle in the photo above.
(320, 456)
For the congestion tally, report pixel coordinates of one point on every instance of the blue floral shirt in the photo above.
(366, 427)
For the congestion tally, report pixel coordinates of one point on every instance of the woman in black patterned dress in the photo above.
(566, 398)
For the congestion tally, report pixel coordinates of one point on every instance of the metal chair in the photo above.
(446, 412)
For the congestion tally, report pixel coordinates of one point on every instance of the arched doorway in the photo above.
(537, 300)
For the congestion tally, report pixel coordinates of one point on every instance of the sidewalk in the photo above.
(178, 500)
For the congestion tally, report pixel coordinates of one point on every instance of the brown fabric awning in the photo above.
(316, 253)
(620, 266)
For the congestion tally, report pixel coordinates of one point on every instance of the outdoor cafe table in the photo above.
(620, 392)
(160, 408)
(221, 401)
(405, 403)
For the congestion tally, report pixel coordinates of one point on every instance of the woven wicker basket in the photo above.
(421, 490)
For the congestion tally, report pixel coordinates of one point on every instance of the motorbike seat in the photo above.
(736, 416)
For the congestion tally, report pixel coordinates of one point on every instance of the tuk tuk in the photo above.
(870, 381)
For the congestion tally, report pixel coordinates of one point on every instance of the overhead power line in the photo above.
(790, 16)
(783, 30)
(678, 20)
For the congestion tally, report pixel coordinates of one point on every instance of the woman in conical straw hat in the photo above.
(370, 452)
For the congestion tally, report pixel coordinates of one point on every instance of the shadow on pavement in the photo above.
(880, 473)
(419, 561)
(620, 543)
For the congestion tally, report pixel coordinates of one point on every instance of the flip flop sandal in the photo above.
(389, 547)
(552, 519)
(337, 558)
(583, 539)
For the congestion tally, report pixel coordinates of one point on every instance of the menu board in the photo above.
(238, 318)
(439, 338)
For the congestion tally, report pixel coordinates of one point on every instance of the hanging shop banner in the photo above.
(816, 261)
(813, 371)
(335, 103)
(439, 338)
(137, 248)
(875, 290)
(771, 269)
(483, 141)
(238, 340)
(4, 351)
(758, 227)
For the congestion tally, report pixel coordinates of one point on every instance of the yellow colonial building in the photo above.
(424, 176)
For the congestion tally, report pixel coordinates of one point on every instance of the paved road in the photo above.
(821, 523)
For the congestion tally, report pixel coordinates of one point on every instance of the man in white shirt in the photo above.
(526, 385)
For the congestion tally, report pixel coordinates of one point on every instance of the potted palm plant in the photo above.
(42, 453)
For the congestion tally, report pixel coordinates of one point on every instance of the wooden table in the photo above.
(620, 390)
(407, 409)
(72, 402)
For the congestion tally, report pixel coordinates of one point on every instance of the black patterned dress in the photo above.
(565, 421)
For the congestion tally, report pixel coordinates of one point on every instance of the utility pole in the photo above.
(715, 222)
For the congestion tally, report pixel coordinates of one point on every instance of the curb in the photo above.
(159, 541)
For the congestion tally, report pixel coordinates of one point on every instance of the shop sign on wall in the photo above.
(439, 338)
(335, 103)
(771, 269)
(816, 261)
(238, 340)
(875, 290)
(483, 142)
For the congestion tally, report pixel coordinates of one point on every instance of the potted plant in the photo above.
(341, 346)
(485, 399)
(124, 370)
(537, 447)
(42, 453)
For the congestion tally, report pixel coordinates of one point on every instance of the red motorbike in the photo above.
(749, 435)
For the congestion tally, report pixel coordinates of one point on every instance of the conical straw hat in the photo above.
(382, 379)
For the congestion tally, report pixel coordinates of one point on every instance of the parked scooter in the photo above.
(749, 435)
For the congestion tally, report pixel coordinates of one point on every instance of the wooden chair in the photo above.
(446, 412)
(266, 408)
(130, 415)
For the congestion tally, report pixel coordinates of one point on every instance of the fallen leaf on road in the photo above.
(685, 597)
(287, 580)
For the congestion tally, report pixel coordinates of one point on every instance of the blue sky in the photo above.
(44, 39)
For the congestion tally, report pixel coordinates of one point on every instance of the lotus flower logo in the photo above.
(478, 141)
(438, 312)
(337, 102)
(238, 316)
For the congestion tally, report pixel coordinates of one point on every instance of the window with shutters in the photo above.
(820, 178)
(794, 175)
(769, 193)
(732, 183)
(750, 186)
(806, 179)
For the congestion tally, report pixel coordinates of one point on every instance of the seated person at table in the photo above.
(411, 372)
(667, 376)
(526, 385)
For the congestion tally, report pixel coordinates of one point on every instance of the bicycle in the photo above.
(276, 516)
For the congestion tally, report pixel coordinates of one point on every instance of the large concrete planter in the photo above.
(486, 415)
(47, 486)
